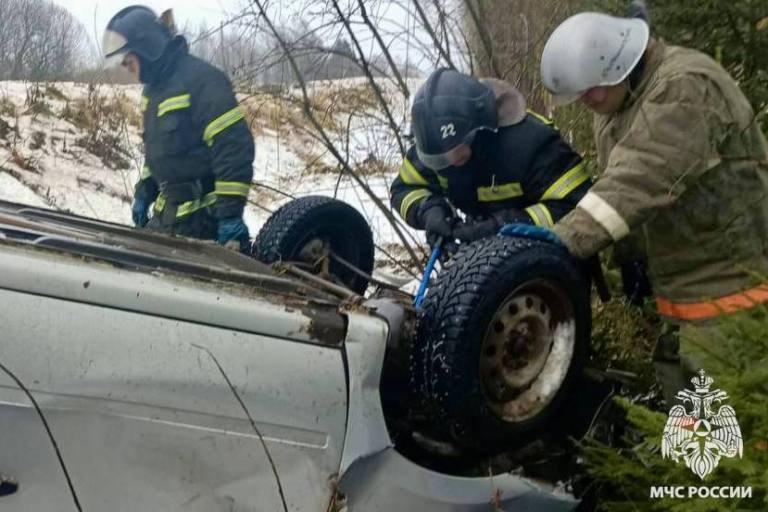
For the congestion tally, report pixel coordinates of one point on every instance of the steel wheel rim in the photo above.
(527, 350)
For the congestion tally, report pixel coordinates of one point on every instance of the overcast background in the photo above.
(95, 15)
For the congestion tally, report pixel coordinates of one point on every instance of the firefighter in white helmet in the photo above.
(684, 166)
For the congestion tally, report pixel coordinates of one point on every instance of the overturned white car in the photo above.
(141, 372)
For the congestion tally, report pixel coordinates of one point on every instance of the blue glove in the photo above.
(233, 229)
(140, 212)
(532, 232)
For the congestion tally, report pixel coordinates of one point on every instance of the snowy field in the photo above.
(77, 148)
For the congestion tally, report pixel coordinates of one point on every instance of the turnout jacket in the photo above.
(198, 147)
(525, 165)
(686, 172)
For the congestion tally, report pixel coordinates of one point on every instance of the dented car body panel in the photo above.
(179, 376)
(138, 399)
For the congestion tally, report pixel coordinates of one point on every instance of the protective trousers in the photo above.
(683, 350)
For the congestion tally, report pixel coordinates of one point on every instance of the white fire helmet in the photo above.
(589, 50)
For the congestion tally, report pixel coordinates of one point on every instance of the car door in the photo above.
(163, 393)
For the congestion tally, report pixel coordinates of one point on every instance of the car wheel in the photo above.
(500, 337)
(320, 234)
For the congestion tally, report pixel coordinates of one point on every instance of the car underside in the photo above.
(144, 371)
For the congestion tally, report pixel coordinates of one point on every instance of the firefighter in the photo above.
(198, 147)
(477, 149)
(685, 174)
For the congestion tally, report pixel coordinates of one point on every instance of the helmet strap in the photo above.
(153, 71)
(148, 70)
(636, 76)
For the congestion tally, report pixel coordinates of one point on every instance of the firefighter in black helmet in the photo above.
(478, 149)
(198, 147)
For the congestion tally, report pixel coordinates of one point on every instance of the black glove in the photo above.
(471, 231)
(511, 216)
(438, 221)
(475, 230)
(635, 282)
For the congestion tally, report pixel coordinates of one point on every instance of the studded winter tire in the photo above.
(314, 231)
(502, 333)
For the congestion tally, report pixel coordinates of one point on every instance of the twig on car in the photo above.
(250, 419)
(48, 431)
(335, 289)
(260, 206)
(364, 275)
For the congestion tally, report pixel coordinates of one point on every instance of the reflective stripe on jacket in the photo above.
(194, 130)
(526, 166)
(686, 172)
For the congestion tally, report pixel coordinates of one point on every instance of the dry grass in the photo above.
(54, 92)
(278, 110)
(28, 163)
(272, 112)
(41, 108)
(37, 141)
(281, 110)
(372, 166)
(341, 100)
(7, 107)
(6, 129)
(105, 120)
(89, 113)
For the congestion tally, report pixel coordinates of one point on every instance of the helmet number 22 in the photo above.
(448, 130)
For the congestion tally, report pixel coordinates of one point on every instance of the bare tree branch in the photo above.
(401, 83)
(431, 31)
(307, 108)
(377, 90)
(484, 36)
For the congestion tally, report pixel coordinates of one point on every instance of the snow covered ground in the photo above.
(77, 148)
(43, 160)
